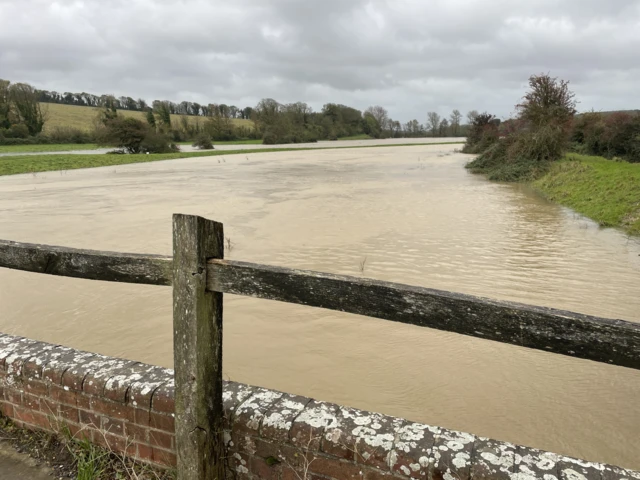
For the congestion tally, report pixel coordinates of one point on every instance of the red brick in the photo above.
(89, 418)
(374, 474)
(160, 439)
(145, 452)
(113, 426)
(6, 409)
(142, 417)
(73, 379)
(53, 373)
(163, 400)
(61, 395)
(31, 369)
(332, 467)
(263, 470)
(136, 432)
(93, 386)
(109, 441)
(36, 387)
(31, 401)
(161, 421)
(164, 457)
(69, 413)
(33, 418)
(81, 432)
(112, 409)
(83, 401)
(48, 406)
(13, 396)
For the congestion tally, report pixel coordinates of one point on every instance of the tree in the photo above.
(549, 100)
(163, 111)
(151, 119)
(455, 117)
(433, 123)
(444, 127)
(26, 104)
(380, 114)
(370, 125)
(471, 116)
(5, 104)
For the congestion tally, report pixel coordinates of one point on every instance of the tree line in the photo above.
(273, 122)
(140, 105)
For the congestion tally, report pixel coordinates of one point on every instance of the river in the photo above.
(416, 216)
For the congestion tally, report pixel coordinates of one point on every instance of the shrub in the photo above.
(203, 142)
(484, 132)
(155, 142)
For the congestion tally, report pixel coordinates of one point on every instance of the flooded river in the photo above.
(416, 216)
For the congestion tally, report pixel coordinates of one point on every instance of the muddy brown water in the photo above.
(417, 216)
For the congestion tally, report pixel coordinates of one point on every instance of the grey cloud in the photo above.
(410, 55)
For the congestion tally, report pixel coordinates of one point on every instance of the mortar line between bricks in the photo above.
(153, 394)
(266, 410)
(392, 450)
(293, 421)
(472, 456)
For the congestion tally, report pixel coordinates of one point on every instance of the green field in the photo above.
(59, 115)
(47, 148)
(17, 164)
(603, 190)
(230, 142)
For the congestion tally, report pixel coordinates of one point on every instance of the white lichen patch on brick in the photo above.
(282, 414)
(256, 405)
(320, 415)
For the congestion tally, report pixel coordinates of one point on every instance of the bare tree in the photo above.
(444, 127)
(380, 114)
(455, 117)
(433, 123)
(471, 116)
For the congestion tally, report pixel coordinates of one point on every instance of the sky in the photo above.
(410, 56)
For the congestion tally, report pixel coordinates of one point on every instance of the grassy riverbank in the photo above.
(17, 164)
(65, 147)
(603, 190)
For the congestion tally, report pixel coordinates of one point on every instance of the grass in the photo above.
(59, 115)
(229, 142)
(14, 165)
(362, 136)
(603, 190)
(47, 148)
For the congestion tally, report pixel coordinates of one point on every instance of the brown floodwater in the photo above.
(417, 216)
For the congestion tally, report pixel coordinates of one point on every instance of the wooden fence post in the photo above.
(197, 350)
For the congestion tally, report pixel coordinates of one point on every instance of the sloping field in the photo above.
(82, 117)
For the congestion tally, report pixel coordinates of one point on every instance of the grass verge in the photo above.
(17, 164)
(362, 136)
(603, 190)
(74, 458)
(65, 147)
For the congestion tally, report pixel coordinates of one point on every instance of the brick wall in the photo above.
(128, 407)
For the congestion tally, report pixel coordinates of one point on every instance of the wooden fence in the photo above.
(199, 276)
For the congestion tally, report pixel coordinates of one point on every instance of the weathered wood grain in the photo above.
(197, 347)
(89, 264)
(615, 342)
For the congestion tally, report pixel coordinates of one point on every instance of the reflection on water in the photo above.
(417, 217)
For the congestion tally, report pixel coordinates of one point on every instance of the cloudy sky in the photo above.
(411, 56)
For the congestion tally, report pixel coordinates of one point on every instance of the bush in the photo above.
(203, 142)
(133, 136)
(484, 132)
(155, 142)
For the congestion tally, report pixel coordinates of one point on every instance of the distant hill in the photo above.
(59, 115)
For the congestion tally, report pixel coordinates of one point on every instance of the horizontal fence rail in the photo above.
(88, 264)
(615, 342)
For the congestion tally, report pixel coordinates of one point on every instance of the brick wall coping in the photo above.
(128, 406)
